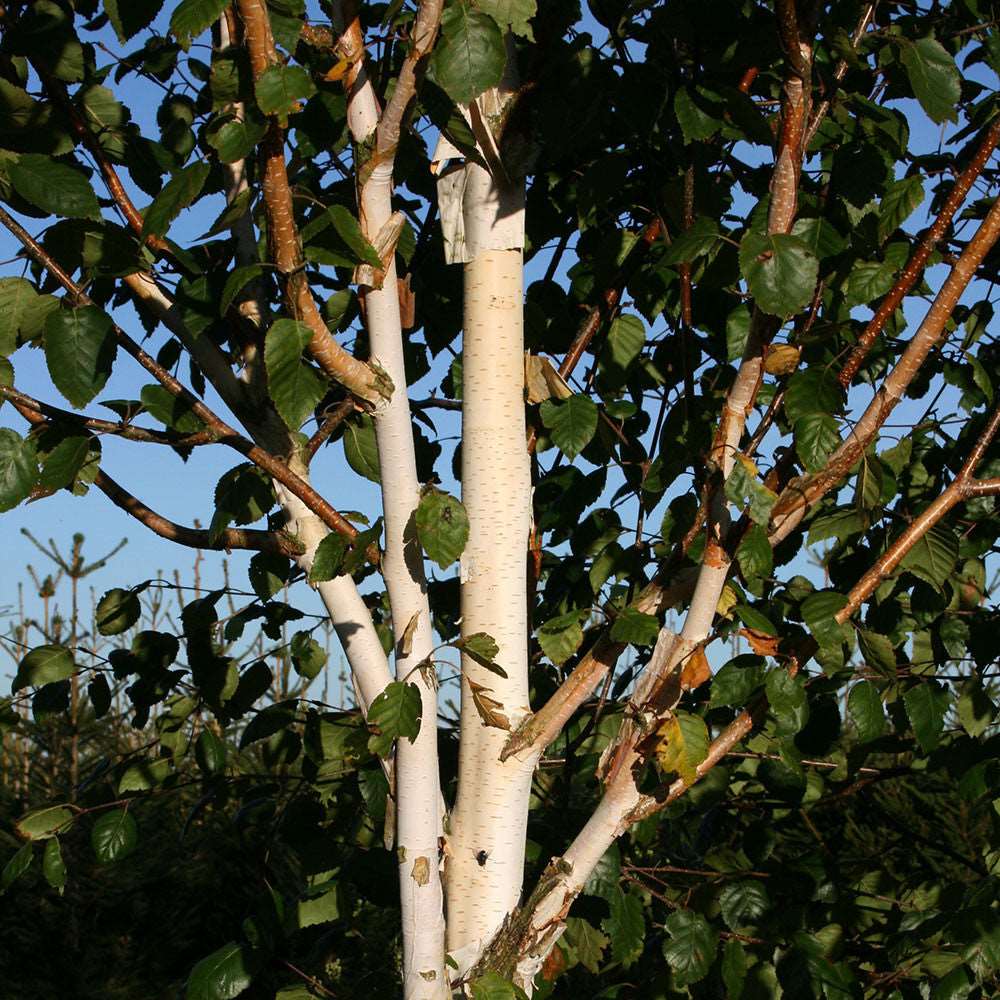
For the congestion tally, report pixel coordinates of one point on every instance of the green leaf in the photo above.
(926, 706)
(54, 187)
(210, 753)
(44, 665)
(780, 271)
(482, 648)
(99, 693)
(865, 709)
(270, 719)
(786, 696)
(53, 866)
(328, 559)
(235, 138)
(319, 907)
(173, 412)
(361, 448)
(114, 836)
(816, 437)
(900, 201)
(754, 553)
(235, 283)
(191, 17)
(932, 558)
(442, 526)
(734, 682)
(16, 866)
(814, 390)
(349, 230)
(18, 468)
(295, 386)
(694, 242)
(44, 823)
(512, 14)
(572, 422)
(470, 56)
(395, 713)
(690, 948)
(80, 348)
(934, 77)
(281, 89)
(129, 17)
(492, 986)
(626, 927)
(584, 943)
(308, 656)
(682, 744)
(142, 775)
(560, 637)
(179, 192)
(63, 463)
(223, 975)
(877, 651)
(626, 339)
(636, 627)
(16, 296)
(269, 573)
(742, 903)
(243, 495)
(695, 122)
(117, 611)
(819, 612)
(745, 490)
(734, 969)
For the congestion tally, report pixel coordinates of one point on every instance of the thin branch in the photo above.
(332, 421)
(915, 265)
(225, 434)
(367, 383)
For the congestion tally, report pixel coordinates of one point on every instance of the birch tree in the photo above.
(629, 313)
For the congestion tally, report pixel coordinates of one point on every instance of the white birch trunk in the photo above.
(485, 865)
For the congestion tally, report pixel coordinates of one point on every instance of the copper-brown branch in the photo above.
(914, 268)
(225, 434)
(284, 245)
(964, 487)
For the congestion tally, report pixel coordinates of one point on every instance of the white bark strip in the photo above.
(488, 825)
(419, 820)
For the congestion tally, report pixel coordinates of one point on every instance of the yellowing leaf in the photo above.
(781, 359)
(682, 744)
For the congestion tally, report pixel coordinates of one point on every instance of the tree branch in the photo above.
(367, 383)
(915, 265)
(225, 434)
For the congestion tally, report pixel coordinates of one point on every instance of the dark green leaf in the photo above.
(395, 713)
(295, 387)
(572, 423)
(780, 270)
(175, 413)
(16, 296)
(933, 556)
(117, 611)
(744, 489)
(816, 436)
(16, 866)
(512, 14)
(560, 637)
(865, 709)
(80, 348)
(470, 56)
(114, 836)
(308, 656)
(742, 903)
(736, 681)
(223, 975)
(53, 866)
(280, 89)
(754, 553)
(235, 283)
(934, 77)
(54, 187)
(179, 192)
(926, 706)
(18, 468)
(635, 627)
(690, 948)
(442, 526)
(210, 753)
(44, 823)
(814, 390)
(361, 448)
(626, 927)
(786, 696)
(328, 559)
(44, 665)
(191, 17)
(129, 17)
